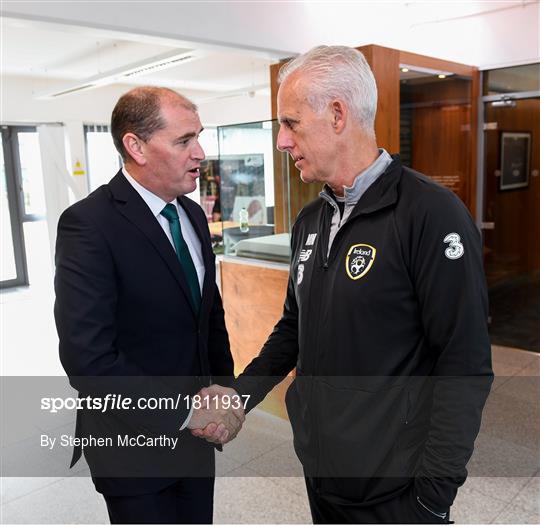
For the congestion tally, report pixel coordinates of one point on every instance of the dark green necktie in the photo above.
(171, 214)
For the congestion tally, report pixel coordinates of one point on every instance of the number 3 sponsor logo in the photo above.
(455, 249)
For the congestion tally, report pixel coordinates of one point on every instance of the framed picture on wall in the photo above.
(515, 155)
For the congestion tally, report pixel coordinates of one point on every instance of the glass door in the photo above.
(25, 238)
(102, 157)
(511, 195)
(511, 189)
(13, 269)
(27, 157)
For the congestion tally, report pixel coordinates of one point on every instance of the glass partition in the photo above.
(19, 201)
(250, 170)
(8, 269)
(209, 182)
(103, 159)
(31, 175)
(512, 79)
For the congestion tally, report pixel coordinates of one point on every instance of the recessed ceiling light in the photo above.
(151, 65)
(427, 71)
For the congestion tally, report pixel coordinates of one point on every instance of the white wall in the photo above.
(19, 105)
(235, 110)
(507, 33)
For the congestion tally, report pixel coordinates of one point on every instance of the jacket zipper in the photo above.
(328, 257)
(325, 236)
(325, 233)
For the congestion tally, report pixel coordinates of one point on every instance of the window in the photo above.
(103, 159)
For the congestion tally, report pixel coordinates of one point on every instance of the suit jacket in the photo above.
(126, 325)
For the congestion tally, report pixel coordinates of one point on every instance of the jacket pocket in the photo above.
(359, 435)
(421, 513)
(359, 430)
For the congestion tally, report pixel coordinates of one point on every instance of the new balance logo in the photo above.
(311, 239)
(304, 255)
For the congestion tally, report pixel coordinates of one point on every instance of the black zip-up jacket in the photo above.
(388, 334)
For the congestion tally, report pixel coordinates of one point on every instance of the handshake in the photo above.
(218, 416)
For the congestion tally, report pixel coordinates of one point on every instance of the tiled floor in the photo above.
(259, 476)
(514, 306)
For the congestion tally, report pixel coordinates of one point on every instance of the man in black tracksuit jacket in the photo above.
(385, 318)
(363, 348)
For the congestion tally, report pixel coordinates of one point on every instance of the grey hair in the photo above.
(338, 72)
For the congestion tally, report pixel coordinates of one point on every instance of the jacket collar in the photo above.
(382, 193)
(362, 181)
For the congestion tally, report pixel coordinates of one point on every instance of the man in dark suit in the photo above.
(138, 312)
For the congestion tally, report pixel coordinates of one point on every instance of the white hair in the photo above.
(338, 72)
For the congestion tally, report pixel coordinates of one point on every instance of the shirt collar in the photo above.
(365, 179)
(154, 202)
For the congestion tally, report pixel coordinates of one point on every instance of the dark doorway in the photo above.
(512, 206)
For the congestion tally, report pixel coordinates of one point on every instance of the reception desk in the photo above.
(253, 294)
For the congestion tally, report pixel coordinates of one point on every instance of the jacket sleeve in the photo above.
(86, 301)
(278, 356)
(447, 273)
(220, 359)
(219, 352)
(85, 312)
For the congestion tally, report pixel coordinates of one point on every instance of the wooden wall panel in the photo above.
(253, 298)
(441, 146)
(444, 132)
(274, 70)
(384, 63)
(436, 91)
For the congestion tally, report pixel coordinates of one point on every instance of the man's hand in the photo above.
(220, 418)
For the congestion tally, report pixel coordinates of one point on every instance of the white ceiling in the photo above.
(59, 52)
(70, 42)
(484, 33)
